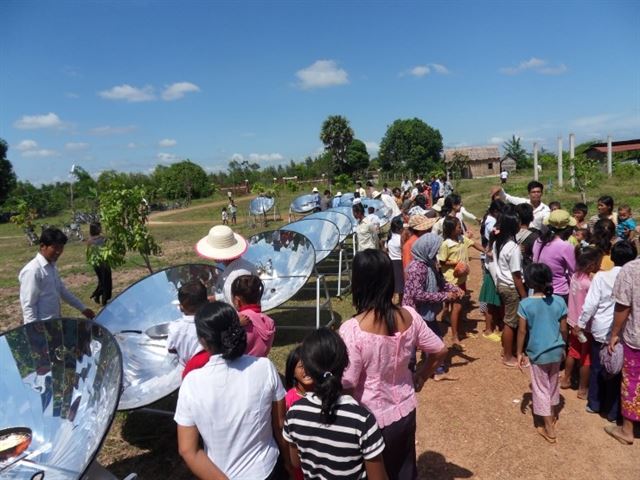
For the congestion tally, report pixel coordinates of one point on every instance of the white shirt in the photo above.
(183, 338)
(41, 289)
(599, 304)
(373, 218)
(394, 248)
(366, 234)
(391, 204)
(232, 271)
(509, 262)
(406, 185)
(504, 174)
(540, 212)
(230, 403)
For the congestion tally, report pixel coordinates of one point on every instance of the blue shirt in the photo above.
(435, 189)
(543, 315)
(629, 224)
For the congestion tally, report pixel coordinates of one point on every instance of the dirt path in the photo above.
(167, 213)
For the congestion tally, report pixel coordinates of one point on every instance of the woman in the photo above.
(605, 211)
(235, 402)
(426, 288)
(394, 250)
(102, 293)
(381, 339)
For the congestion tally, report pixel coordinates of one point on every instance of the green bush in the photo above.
(626, 170)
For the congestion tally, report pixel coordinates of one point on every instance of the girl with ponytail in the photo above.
(330, 435)
(545, 316)
(235, 393)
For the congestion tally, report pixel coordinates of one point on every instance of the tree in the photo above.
(124, 214)
(587, 172)
(241, 170)
(456, 166)
(85, 189)
(514, 149)
(7, 175)
(336, 135)
(357, 157)
(182, 180)
(410, 145)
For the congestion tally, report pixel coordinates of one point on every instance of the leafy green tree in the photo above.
(336, 135)
(514, 149)
(587, 173)
(124, 215)
(357, 157)
(7, 175)
(410, 145)
(182, 180)
(241, 170)
(457, 166)
(85, 190)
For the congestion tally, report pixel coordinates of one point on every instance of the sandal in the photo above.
(613, 431)
(545, 435)
(509, 364)
(441, 377)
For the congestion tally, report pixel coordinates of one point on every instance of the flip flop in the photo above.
(613, 431)
(510, 365)
(442, 377)
(544, 435)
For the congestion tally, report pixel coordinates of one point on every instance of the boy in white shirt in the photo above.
(182, 339)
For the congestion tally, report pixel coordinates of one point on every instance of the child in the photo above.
(330, 435)
(545, 316)
(506, 270)
(246, 292)
(587, 263)
(489, 299)
(225, 216)
(580, 237)
(554, 206)
(579, 212)
(454, 260)
(182, 338)
(233, 210)
(626, 223)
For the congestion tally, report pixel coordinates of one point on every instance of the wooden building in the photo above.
(598, 151)
(484, 161)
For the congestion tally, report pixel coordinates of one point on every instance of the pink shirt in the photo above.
(578, 290)
(378, 370)
(291, 397)
(260, 331)
(560, 257)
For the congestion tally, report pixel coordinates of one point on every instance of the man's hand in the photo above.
(90, 314)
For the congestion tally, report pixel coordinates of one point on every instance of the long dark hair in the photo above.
(538, 277)
(449, 202)
(508, 227)
(290, 367)
(397, 225)
(495, 210)
(607, 200)
(586, 258)
(449, 225)
(372, 287)
(218, 326)
(324, 356)
(603, 232)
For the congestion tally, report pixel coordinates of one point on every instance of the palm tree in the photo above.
(337, 135)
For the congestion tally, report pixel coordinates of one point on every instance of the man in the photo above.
(360, 191)
(316, 198)
(224, 246)
(336, 200)
(388, 201)
(446, 188)
(503, 176)
(435, 189)
(406, 184)
(366, 230)
(535, 189)
(41, 287)
(325, 201)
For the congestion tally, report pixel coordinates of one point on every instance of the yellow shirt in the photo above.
(452, 251)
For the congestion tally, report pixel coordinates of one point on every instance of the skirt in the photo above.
(630, 388)
(488, 291)
(398, 276)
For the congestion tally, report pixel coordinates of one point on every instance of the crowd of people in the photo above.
(558, 288)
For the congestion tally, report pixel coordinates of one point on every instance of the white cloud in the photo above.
(31, 122)
(111, 130)
(372, 147)
(419, 71)
(25, 145)
(424, 70)
(322, 74)
(441, 69)
(40, 153)
(178, 90)
(166, 157)
(496, 140)
(131, 145)
(129, 94)
(537, 65)
(265, 157)
(167, 142)
(238, 157)
(76, 146)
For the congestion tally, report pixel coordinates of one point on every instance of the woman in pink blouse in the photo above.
(381, 339)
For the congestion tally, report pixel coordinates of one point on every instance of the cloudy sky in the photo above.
(129, 85)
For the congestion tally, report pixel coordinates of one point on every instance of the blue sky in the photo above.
(129, 85)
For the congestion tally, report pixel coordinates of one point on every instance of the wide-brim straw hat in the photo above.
(221, 244)
(438, 205)
(421, 223)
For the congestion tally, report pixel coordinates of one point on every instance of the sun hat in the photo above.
(438, 205)
(559, 220)
(339, 194)
(221, 244)
(421, 223)
(612, 362)
(315, 190)
(375, 194)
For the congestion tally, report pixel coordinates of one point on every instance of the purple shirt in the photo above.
(560, 257)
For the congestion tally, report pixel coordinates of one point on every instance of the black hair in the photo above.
(580, 207)
(495, 210)
(290, 367)
(586, 257)
(356, 194)
(369, 183)
(324, 356)
(534, 184)
(623, 252)
(525, 213)
(608, 201)
(372, 287)
(508, 226)
(192, 295)
(385, 185)
(555, 204)
(420, 201)
(539, 278)
(624, 206)
(449, 225)
(52, 236)
(218, 327)
(249, 288)
(327, 192)
(420, 188)
(95, 229)
(370, 210)
(397, 225)
(358, 208)
(604, 231)
(449, 202)
(396, 190)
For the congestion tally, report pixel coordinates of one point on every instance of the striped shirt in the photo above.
(337, 450)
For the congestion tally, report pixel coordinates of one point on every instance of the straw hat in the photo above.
(421, 223)
(339, 194)
(375, 194)
(315, 190)
(439, 204)
(221, 244)
(559, 220)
